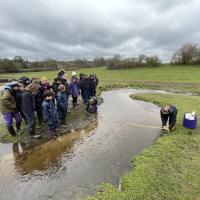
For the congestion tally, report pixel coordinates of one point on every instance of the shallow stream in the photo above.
(72, 166)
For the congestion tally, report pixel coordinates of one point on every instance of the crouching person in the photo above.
(168, 112)
(8, 107)
(28, 106)
(49, 110)
(62, 102)
(92, 105)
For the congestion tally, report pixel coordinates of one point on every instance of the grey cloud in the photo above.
(67, 29)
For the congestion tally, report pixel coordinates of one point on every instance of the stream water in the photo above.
(72, 166)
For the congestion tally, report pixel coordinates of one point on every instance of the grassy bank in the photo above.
(170, 168)
(176, 78)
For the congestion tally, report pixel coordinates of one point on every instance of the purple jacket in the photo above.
(74, 88)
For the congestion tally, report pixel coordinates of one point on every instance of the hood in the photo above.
(7, 87)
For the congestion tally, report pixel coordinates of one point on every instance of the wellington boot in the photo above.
(11, 130)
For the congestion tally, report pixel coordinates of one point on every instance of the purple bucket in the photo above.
(191, 124)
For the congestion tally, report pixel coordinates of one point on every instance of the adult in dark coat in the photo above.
(168, 112)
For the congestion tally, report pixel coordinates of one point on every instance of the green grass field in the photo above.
(162, 73)
(176, 78)
(170, 168)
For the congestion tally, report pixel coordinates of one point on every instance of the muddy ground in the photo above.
(75, 121)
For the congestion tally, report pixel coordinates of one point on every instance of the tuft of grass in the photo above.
(170, 168)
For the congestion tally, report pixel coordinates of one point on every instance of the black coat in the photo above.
(39, 98)
(55, 87)
(18, 95)
(67, 87)
(85, 84)
(27, 102)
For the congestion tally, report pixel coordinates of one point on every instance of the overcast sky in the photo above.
(69, 29)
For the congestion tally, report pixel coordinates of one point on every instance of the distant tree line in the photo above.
(20, 64)
(188, 54)
(125, 63)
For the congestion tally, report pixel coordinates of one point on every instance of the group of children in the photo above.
(25, 98)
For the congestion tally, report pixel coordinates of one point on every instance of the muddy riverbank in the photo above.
(72, 166)
(76, 120)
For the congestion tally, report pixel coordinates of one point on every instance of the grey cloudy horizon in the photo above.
(70, 29)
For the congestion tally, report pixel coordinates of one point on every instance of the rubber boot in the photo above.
(11, 130)
(18, 126)
(74, 105)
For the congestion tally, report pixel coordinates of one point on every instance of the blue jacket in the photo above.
(74, 88)
(62, 100)
(49, 110)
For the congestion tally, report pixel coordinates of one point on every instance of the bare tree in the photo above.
(187, 54)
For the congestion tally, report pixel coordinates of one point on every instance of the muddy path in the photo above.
(73, 165)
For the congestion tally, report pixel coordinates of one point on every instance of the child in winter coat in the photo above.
(67, 86)
(50, 114)
(92, 105)
(62, 103)
(74, 91)
(28, 106)
(55, 85)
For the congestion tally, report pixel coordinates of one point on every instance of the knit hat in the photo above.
(74, 73)
(24, 80)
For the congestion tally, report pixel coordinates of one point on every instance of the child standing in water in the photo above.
(50, 114)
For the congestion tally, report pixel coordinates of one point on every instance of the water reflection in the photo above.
(48, 156)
